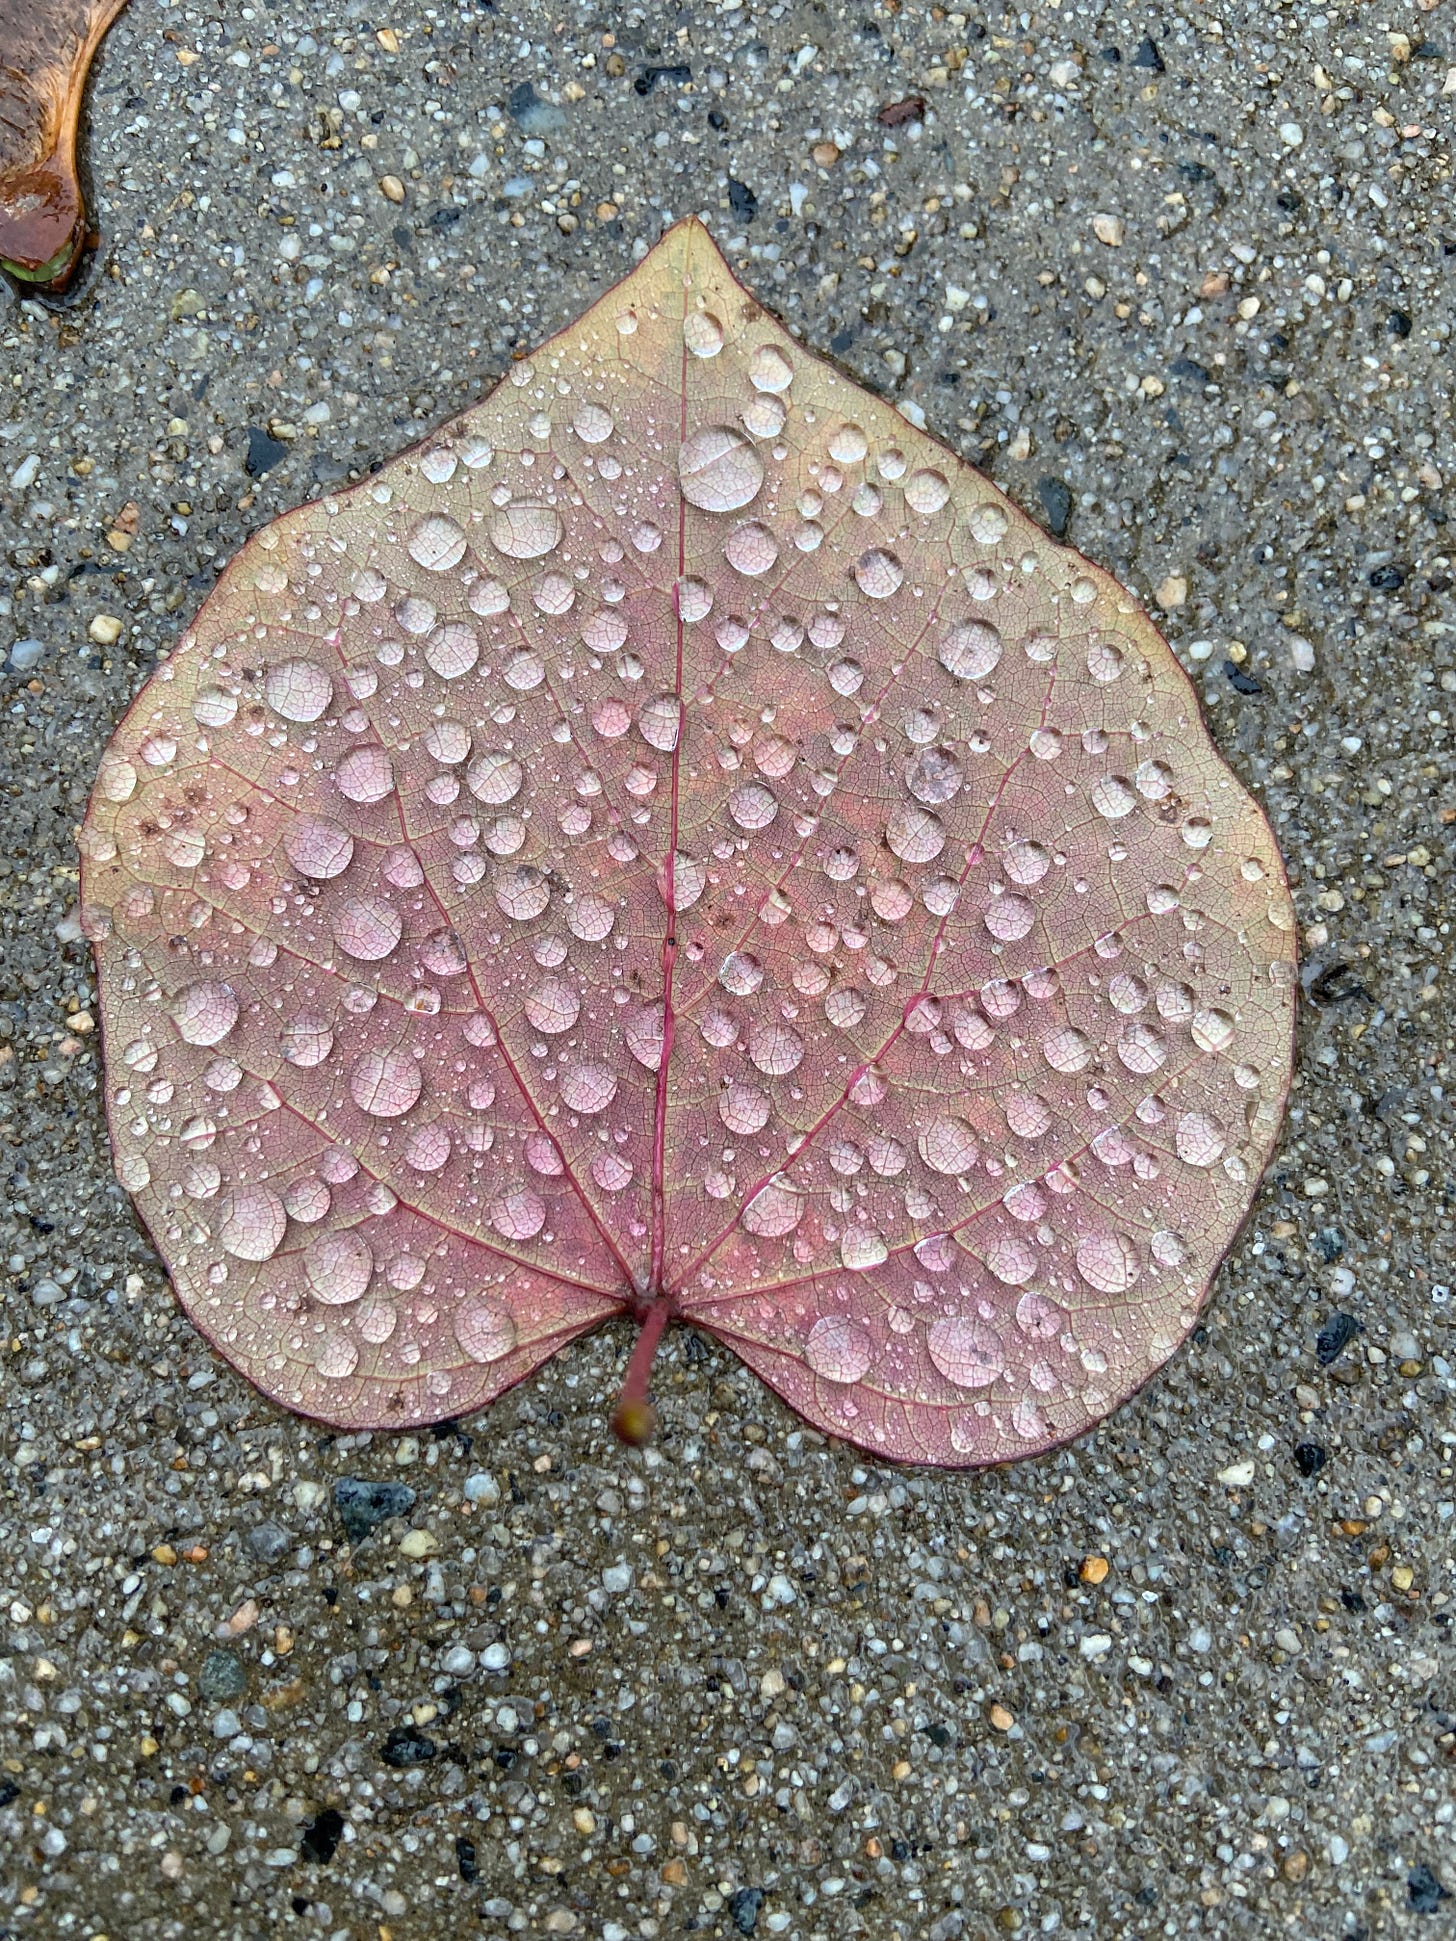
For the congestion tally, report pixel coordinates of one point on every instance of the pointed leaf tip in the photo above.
(679, 842)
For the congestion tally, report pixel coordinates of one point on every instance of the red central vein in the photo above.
(669, 938)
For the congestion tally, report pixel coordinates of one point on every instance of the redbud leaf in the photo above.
(681, 844)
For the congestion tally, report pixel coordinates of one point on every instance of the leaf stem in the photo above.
(634, 1417)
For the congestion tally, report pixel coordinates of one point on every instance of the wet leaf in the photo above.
(48, 47)
(680, 844)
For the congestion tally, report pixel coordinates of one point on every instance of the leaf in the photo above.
(680, 844)
(48, 48)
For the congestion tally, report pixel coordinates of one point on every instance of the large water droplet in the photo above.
(366, 774)
(878, 574)
(839, 1348)
(518, 1216)
(484, 1330)
(948, 1145)
(299, 690)
(966, 1352)
(385, 1083)
(1107, 1261)
(205, 1013)
(751, 549)
(306, 1039)
(339, 1266)
(523, 530)
(251, 1223)
(971, 650)
(588, 1088)
(718, 469)
(319, 848)
(436, 543)
(367, 928)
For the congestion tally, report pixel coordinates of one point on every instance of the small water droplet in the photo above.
(702, 332)
(967, 1353)
(484, 1329)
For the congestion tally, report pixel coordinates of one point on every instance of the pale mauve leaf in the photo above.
(679, 843)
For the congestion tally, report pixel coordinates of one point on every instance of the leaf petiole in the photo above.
(634, 1417)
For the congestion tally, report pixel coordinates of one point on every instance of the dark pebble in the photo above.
(896, 113)
(1239, 681)
(1195, 172)
(407, 1746)
(679, 73)
(1290, 201)
(744, 1906)
(1335, 1337)
(364, 1505)
(1309, 1458)
(268, 1542)
(1388, 579)
(1424, 1890)
(1331, 1243)
(1056, 503)
(465, 1859)
(741, 200)
(321, 1836)
(1148, 55)
(1190, 368)
(264, 452)
(1398, 324)
(223, 1676)
(1113, 56)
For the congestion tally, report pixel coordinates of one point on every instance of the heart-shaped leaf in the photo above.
(679, 843)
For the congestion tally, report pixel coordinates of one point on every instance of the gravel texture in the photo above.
(1182, 283)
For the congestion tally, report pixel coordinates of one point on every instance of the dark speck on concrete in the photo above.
(1424, 1890)
(363, 1505)
(407, 1746)
(1147, 55)
(321, 1836)
(1056, 503)
(1334, 1337)
(223, 1676)
(744, 1906)
(264, 452)
(741, 200)
(1309, 1458)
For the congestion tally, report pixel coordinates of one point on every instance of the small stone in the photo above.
(268, 1542)
(824, 154)
(223, 1676)
(391, 188)
(1288, 1641)
(227, 1725)
(1001, 1719)
(459, 1661)
(24, 655)
(363, 1505)
(744, 1905)
(1110, 230)
(1173, 593)
(1295, 1866)
(495, 1657)
(617, 1578)
(187, 303)
(1056, 503)
(584, 1820)
(1238, 1475)
(407, 1746)
(1402, 1577)
(419, 1543)
(264, 452)
(104, 629)
(482, 1488)
(1291, 134)
(1094, 1570)
(1423, 1890)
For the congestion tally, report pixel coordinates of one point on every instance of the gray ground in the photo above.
(748, 1682)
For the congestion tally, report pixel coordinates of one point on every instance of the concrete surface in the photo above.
(1191, 1675)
